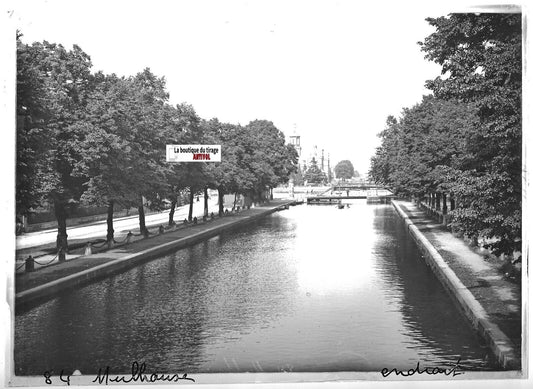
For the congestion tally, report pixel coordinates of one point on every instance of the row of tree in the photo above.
(98, 139)
(465, 141)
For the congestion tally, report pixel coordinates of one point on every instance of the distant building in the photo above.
(295, 141)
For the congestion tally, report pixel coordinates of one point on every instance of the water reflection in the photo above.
(430, 320)
(340, 260)
(308, 289)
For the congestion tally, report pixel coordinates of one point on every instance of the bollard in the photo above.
(161, 229)
(30, 264)
(88, 249)
(128, 237)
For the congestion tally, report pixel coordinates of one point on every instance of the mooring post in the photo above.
(88, 249)
(30, 264)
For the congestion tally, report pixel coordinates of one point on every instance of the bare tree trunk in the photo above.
(220, 202)
(61, 241)
(142, 222)
(452, 202)
(191, 203)
(110, 231)
(206, 202)
(171, 213)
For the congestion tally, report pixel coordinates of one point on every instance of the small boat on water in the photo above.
(340, 206)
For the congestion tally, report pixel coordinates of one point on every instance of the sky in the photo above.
(329, 71)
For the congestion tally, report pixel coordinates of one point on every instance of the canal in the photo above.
(312, 288)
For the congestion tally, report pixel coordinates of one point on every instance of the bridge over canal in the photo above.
(346, 191)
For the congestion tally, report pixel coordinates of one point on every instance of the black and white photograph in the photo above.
(265, 192)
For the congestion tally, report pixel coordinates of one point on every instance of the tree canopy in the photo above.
(344, 170)
(466, 140)
(313, 174)
(92, 138)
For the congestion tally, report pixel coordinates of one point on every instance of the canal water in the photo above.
(313, 288)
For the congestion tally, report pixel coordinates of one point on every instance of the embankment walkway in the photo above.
(32, 287)
(476, 282)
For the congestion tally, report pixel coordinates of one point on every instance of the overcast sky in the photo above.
(330, 70)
